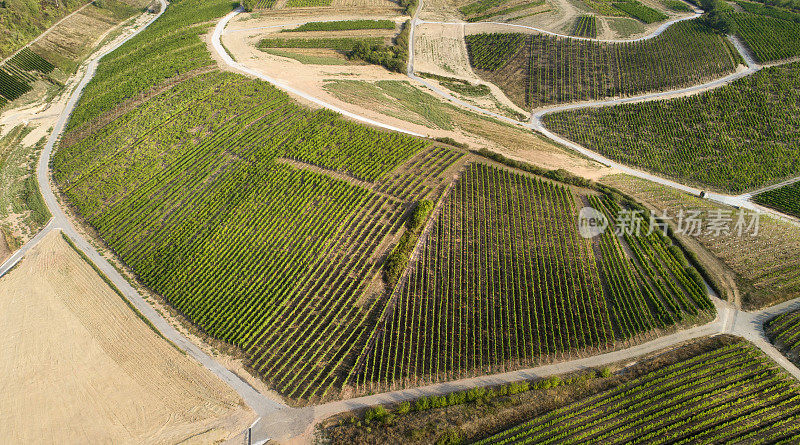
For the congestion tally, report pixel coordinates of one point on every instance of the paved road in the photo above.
(293, 422)
(223, 54)
(278, 421)
(258, 402)
(657, 32)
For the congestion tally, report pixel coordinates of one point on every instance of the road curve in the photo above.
(216, 42)
(293, 422)
(277, 418)
(258, 402)
(657, 32)
(536, 124)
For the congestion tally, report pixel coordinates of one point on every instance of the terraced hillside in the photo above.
(735, 138)
(541, 70)
(504, 280)
(24, 20)
(267, 225)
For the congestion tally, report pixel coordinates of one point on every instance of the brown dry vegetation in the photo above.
(765, 268)
(80, 367)
(67, 44)
(480, 132)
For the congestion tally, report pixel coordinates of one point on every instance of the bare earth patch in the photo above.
(79, 366)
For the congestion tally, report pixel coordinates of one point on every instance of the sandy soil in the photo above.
(79, 366)
(440, 49)
(517, 143)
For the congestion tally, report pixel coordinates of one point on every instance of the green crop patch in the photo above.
(540, 70)
(585, 26)
(732, 394)
(738, 137)
(505, 278)
(770, 39)
(343, 25)
(639, 11)
(785, 199)
(340, 43)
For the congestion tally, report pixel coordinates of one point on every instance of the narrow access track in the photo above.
(216, 42)
(258, 402)
(292, 423)
(276, 419)
(739, 201)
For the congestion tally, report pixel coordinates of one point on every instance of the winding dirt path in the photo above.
(279, 422)
(298, 423)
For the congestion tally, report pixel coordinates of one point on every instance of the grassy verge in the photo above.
(306, 59)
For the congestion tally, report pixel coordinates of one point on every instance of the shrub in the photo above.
(403, 408)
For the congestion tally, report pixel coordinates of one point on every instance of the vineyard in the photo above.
(677, 5)
(770, 39)
(734, 138)
(541, 70)
(585, 26)
(785, 199)
(640, 12)
(343, 25)
(766, 267)
(11, 86)
(27, 60)
(784, 332)
(169, 48)
(730, 395)
(340, 43)
(307, 3)
(23, 21)
(252, 5)
(177, 186)
(771, 11)
(504, 280)
(17, 75)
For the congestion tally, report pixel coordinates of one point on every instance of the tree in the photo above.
(714, 18)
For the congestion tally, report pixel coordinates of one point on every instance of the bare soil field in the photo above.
(440, 49)
(80, 367)
(434, 116)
